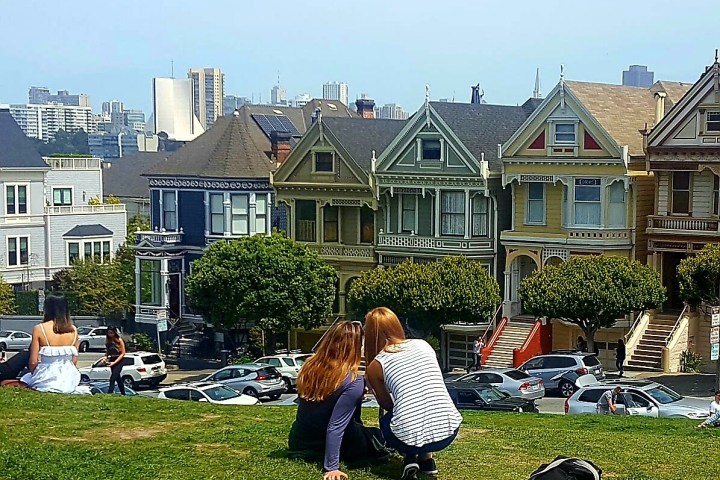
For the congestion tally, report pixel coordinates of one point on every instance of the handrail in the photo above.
(493, 321)
(675, 327)
(490, 345)
(533, 331)
(634, 325)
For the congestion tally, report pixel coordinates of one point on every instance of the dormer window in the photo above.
(431, 150)
(324, 162)
(712, 122)
(565, 134)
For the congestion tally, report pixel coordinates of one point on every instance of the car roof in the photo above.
(198, 385)
(467, 385)
(493, 370)
(247, 365)
(639, 384)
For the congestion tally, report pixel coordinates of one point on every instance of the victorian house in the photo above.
(576, 171)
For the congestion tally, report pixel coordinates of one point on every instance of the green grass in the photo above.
(44, 436)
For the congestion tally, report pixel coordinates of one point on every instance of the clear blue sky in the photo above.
(388, 49)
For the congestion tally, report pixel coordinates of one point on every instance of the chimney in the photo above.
(316, 115)
(280, 146)
(365, 107)
(659, 106)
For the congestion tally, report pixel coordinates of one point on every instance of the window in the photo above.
(681, 192)
(716, 193)
(479, 216)
(305, 220)
(106, 250)
(324, 162)
(467, 397)
(97, 250)
(453, 213)
(712, 123)
(587, 201)
(62, 196)
(367, 225)
(616, 209)
(565, 133)
(217, 214)
(169, 211)
(431, 150)
(592, 395)
(16, 199)
(73, 252)
(150, 283)
(330, 224)
(409, 209)
(560, 362)
(534, 364)
(261, 213)
(178, 394)
(239, 215)
(88, 250)
(17, 251)
(535, 204)
(590, 361)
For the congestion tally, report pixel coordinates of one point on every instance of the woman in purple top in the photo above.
(330, 391)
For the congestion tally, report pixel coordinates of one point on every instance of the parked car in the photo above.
(215, 393)
(481, 396)
(292, 401)
(91, 338)
(288, 365)
(256, 380)
(639, 397)
(550, 368)
(99, 388)
(515, 383)
(139, 368)
(14, 340)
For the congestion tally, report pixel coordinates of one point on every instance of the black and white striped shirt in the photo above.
(423, 412)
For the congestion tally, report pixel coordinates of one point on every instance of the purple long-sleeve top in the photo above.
(330, 418)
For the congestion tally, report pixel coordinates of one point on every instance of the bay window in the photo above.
(480, 216)
(588, 207)
(681, 193)
(150, 283)
(261, 213)
(98, 250)
(408, 213)
(452, 213)
(239, 215)
(535, 213)
(217, 214)
(616, 205)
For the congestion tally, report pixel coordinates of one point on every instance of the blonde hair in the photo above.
(382, 330)
(338, 354)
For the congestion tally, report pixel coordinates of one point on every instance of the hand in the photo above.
(334, 475)
(701, 426)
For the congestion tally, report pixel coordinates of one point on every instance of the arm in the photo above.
(122, 354)
(342, 414)
(77, 347)
(710, 420)
(34, 349)
(374, 375)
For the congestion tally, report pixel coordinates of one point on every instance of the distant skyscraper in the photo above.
(208, 91)
(336, 91)
(393, 111)
(38, 95)
(113, 106)
(233, 102)
(278, 95)
(638, 76)
(42, 96)
(134, 119)
(44, 120)
(173, 109)
(301, 100)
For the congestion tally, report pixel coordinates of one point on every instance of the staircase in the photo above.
(512, 337)
(187, 340)
(648, 353)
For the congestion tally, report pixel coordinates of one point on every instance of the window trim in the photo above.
(163, 211)
(544, 202)
(671, 200)
(555, 141)
(402, 209)
(603, 207)
(464, 214)
(17, 204)
(89, 240)
(210, 212)
(63, 187)
(706, 129)
(19, 263)
(314, 162)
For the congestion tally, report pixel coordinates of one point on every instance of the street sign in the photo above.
(714, 351)
(715, 319)
(715, 335)
(162, 325)
(161, 315)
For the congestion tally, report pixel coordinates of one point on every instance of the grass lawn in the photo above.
(45, 436)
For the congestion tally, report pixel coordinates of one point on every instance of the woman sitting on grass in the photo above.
(328, 426)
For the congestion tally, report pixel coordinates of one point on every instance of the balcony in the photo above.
(85, 209)
(682, 225)
(603, 236)
(445, 245)
(73, 163)
(160, 237)
(364, 253)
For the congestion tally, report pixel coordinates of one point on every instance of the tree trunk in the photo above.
(590, 338)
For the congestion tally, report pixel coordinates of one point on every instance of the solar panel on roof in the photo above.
(278, 123)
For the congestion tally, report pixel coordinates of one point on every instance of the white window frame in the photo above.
(486, 214)
(464, 213)
(314, 162)
(17, 204)
(72, 196)
(261, 215)
(89, 241)
(601, 201)
(707, 121)
(19, 263)
(529, 221)
(163, 211)
(574, 125)
(240, 215)
(404, 200)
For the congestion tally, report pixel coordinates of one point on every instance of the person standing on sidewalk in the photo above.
(620, 357)
(478, 345)
(114, 356)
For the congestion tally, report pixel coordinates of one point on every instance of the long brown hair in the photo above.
(338, 354)
(382, 329)
(56, 309)
(116, 337)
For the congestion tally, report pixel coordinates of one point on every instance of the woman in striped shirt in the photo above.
(409, 385)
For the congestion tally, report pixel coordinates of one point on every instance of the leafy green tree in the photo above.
(93, 288)
(699, 276)
(275, 282)
(64, 143)
(451, 290)
(125, 256)
(7, 298)
(592, 292)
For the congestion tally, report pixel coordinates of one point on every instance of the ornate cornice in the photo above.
(248, 185)
(429, 181)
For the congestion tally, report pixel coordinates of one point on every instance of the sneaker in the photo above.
(410, 469)
(428, 467)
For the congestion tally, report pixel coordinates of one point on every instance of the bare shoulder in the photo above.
(374, 370)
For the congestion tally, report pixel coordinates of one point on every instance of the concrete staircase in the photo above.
(648, 353)
(188, 339)
(512, 337)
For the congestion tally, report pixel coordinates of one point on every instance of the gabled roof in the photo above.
(95, 230)
(16, 149)
(123, 177)
(482, 126)
(360, 136)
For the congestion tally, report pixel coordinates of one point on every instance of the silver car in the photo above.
(551, 367)
(514, 382)
(92, 338)
(256, 380)
(14, 340)
(639, 397)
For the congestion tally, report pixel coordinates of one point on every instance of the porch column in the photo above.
(165, 282)
(437, 212)
(268, 214)
(252, 209)
(227, 214)
(318, 221)
(507, 285)
(138, 288)
(468, 214)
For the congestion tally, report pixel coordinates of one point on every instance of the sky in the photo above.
(387, 49)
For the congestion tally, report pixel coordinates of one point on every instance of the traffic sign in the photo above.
(715, 319)
(714, 351)
(715, 335)
(162, 325)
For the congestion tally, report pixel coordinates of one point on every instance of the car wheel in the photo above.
(84, 347)
(566, 389)
(84, 378)
(128, 382)
(275, 396)
(250, 391)
(288, 384)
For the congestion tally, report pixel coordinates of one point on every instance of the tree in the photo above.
(125, 256)
(275, 282)
(592, 292)
(7, 298)
(93, 288)
(452, 290)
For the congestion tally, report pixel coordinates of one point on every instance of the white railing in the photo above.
(634, 335)
(599, 234)
(676, 343)
(691, 224)
(161, 237)
(73, 163)
(440, 243)
(72, 209)
(353, 251)
(677, 323)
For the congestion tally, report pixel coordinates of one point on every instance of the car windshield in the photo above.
(591, 361)
(300, 360)
(270, 372)
(4, 333)
(288, 361)
(517, 374)
(151, 359)
(84, 330)
(664, 395)
(490, 394)
(221, 393)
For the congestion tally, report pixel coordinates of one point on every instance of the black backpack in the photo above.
(564, 468)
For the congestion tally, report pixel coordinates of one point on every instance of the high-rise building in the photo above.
(44, 121)
(336, 91)
(233, 102)
(391, 111)
(42, 96)
(112, 106)
(278, 95)
(638, 76)
(38, 95)
(173, 109)
(208, 90)
(134, 119)
(301, 100)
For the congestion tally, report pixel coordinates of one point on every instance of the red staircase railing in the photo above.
(488, 348)
(538, 341)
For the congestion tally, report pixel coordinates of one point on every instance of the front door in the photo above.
(174, 301)
(670, 262)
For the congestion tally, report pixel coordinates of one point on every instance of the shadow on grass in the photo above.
(388, 469)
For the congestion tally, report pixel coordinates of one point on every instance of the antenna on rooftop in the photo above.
(172, 68)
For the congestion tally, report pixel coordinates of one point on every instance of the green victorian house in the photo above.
(327, 187)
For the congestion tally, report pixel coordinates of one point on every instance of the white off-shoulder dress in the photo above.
(56, 371)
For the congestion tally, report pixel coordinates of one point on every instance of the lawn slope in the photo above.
(45, 436)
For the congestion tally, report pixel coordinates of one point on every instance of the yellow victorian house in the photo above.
(577, 172)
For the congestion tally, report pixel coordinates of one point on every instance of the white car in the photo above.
(216, 393)
(139, 368)
(92, 338)
(287, 364)
(13, 340)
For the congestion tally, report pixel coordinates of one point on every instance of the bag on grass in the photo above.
(564, 468)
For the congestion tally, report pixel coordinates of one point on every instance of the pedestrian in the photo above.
(581, 344)
(404, 374)
(478, 345)
(620, 357)
(114, 356)
(608, 401)
(714, 419)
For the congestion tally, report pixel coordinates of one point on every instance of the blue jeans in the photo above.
(393, 442)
